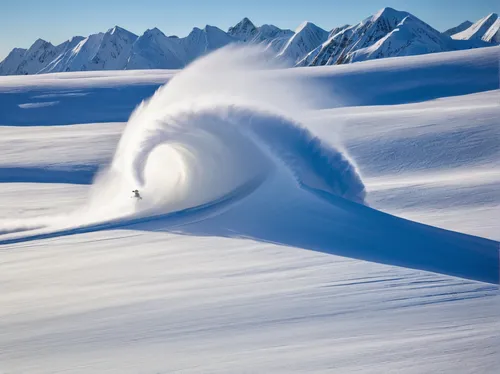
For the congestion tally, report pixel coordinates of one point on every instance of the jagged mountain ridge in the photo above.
(388, 33)
(270, 36)
(410, 37)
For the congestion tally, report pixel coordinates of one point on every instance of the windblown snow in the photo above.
(336, 218)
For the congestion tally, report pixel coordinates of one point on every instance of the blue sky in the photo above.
(22, 22)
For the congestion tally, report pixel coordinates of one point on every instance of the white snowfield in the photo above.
(314, 220)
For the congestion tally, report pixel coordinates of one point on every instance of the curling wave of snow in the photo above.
(250, 247)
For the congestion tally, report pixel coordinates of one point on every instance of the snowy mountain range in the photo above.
(388, 33)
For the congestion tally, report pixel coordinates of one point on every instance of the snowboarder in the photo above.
(137, 195)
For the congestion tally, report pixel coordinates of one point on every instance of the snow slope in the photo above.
(283, 261)
(307, 37)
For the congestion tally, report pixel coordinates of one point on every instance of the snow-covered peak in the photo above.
(154, 32)
(410, 37)
(271, 37)
(90, 44)
(200, 42)
(307, 37)
(211, 35)
(244, 30)
(480, 30)
(39, 44)
(303, 25)
(213, 30)
(274, 31)
(76, 39)
(388, 13)
(120, 30)
(339, 47)
(75, 57)
(195, 31)
(10, 64)
(114, 50)
(40, 54)
(455, 30)
(154, 50)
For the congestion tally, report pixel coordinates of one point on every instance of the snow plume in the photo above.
(216, 126)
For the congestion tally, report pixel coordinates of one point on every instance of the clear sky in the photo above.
(23, 21)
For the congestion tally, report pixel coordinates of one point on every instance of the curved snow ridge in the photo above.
(217, 125)
(211, 129)
(224, 145)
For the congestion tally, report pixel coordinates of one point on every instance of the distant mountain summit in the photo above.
(155, 50)
(387, 33)
(244, 30)
(307, 37)
(269, 36)
(113, 51)
(410, 37)
(455, 30)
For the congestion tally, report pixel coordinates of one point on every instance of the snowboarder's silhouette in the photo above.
(137, 195)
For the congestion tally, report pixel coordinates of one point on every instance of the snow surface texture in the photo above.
(388, 33)
(270, 262)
